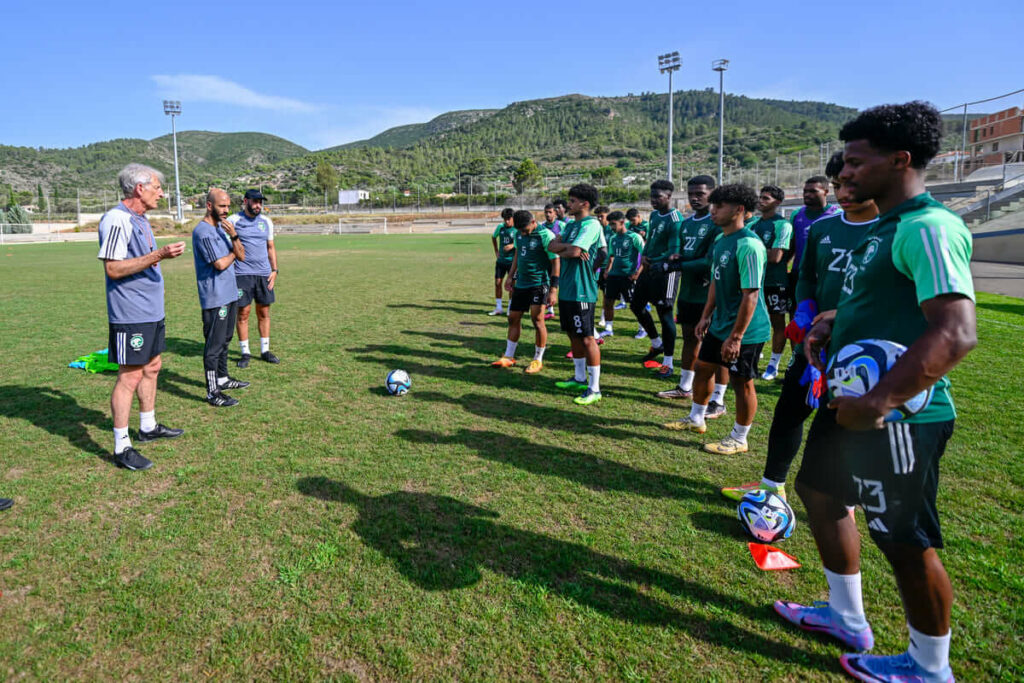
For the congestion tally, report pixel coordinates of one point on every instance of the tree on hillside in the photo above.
(41, 199)
(326, 177)
(606, 175)
(18, 221)
(527, 174)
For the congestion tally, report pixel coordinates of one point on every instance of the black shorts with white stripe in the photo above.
(135, 343)
(657, 287)
(577, 317)
(891, 473)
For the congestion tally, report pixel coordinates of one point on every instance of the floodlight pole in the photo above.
(173, 108)
(667, 63)
(720, 65)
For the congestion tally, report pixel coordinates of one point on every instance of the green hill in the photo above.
(403, 136)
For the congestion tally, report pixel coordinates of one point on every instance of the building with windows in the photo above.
(996, 139)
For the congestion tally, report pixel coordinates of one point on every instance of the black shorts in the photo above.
(254, 287)
(776, 298)
(577, 317)
(501, 269)
(821, 468)
(689, 313)
(523, 299)
(135, 343)
(745, 366)
(619, 286)
(658, 288)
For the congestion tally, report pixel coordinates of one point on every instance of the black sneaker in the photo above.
(232, 383)
(221, 400)
(652, 354)
(269, 357)
(5, 503)
(243, 362)
(131, 459)
(714, 411)
(161, 432)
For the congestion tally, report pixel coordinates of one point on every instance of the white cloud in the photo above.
(200, 88)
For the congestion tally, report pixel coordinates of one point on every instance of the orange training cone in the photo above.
(768, 558)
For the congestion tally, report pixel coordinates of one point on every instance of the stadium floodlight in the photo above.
(173, 108)
(720, 65)
(668, 63)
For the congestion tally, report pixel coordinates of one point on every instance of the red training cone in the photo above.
(768, 558)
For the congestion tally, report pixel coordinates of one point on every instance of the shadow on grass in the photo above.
(1001, 307)
(57, 413)
(442, 544)
(178, 385)
(188, 348)
(597, 474)
(574, 421)
(720, 521)
(481, 310)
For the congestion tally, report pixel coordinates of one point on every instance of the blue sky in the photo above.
(321, 74)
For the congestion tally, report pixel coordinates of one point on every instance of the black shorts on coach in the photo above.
(745, 366)
(688, 313)
(523, 299)
(135, 343)
(577, 317)
(254, 288)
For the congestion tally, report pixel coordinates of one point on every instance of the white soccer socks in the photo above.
(147, 421)
(264, 344)
(686, 380)
(243, 345)
(121, 440)
(718, 395)
(510, 348)
(845, 599)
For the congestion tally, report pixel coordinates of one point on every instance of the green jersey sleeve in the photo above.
(936, 257)
(589, 233)
(783, 235)
(750, 259)
(545, 237)
(497, 231)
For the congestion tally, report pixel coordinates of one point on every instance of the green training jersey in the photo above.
(505, 236)
(776, 233)
(640, 228)
(663, 235)
(696, 236)
(577, 281)
(738, 262)
(533, 260)
(608, 232)
(915, 252)
(625, 249)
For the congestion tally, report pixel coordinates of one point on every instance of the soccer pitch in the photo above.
(482, 527)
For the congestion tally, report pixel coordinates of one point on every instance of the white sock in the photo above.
(243, 344)
(667, 362)
(608, 326)
(121, 440)
(264, 344)
(656, 343)
(510, 348)
(772, 484)
(931, 652)
(580, 365)
(739, 432)
(686, 380)
(845, 599)
(595, 378)
(718, 395)
(147, 421)
(221, 381)
(497, 304)
(551, 310)
(775, 360)
(697, 412)
(538, 353)
(602, 321)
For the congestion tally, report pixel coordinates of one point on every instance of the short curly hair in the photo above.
(834, 166)
(774, 191)
(586, 193)
(741, 195)
(663, 186)
(915, 127)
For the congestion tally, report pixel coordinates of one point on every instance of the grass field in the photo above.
(481, 528)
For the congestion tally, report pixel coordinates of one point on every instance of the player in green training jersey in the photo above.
(581, 251)
(535, 275)
(697, 235)
(634, 223)
(503, 241)
(656, 286)
(601, 214)
(734, 325)
(830, 243)
(624, 250)
(777, 235)
(909, 282)
(552, 223)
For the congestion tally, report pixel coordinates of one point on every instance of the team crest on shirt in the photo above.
(869, 251)
(223, 312)
(263, 226)
(724, 260)
(240, 293)
(701, 231)
(136, 341)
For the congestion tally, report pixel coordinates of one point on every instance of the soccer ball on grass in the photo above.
(398, 382)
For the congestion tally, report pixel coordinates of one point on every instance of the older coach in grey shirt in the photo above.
(135, 308)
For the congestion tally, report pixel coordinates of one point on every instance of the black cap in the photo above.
(254, 194)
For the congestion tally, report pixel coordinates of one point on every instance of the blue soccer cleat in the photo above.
(821, 619)
(892, 669)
